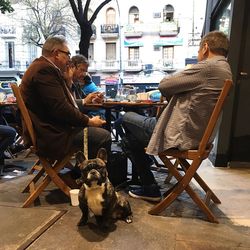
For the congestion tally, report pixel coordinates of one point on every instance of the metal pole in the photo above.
(120, 48)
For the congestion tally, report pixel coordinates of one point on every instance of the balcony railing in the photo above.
(133, 30)
(15, 65)
(166, 65)
(110, 66)
(7, 31)
(109, 30)
(133, 65)
(169, 28)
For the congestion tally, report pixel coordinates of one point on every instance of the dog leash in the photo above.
(85, 143)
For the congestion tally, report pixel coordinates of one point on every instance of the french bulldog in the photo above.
(97, 194)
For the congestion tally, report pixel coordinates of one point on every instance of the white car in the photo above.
(8, 77)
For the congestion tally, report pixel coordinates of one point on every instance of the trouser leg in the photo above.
(138, 130)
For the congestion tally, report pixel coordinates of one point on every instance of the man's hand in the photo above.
(96, 121)
(95, 97)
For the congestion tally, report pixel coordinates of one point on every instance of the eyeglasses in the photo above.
(65, 52)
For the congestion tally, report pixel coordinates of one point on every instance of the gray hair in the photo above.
(217, 41)
(52, 43)
(79, 59)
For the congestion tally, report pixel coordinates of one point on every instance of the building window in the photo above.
(168, 13)
(32, 52)
(110, 51)
(110, 16)
(133, 53)
(10, 54)
(168, 56)
(133, 15)
(168, 52)
(91, 52)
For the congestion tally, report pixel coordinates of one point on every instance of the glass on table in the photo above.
(126, 93)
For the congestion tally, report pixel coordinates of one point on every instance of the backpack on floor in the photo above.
(117, 168)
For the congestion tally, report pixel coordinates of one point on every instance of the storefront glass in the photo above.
(223, 20)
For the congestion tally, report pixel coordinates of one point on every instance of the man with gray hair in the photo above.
(55, 113)
(192, 94)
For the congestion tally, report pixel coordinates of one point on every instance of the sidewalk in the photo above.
(52, 223)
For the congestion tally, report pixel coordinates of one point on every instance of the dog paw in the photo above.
(129, 219)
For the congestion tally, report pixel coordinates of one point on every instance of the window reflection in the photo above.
(223, 21)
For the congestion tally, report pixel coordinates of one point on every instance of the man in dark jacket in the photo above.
(55, 113)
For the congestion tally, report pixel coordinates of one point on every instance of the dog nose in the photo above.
(93, 172)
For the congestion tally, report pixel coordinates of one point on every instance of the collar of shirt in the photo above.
(51, 62)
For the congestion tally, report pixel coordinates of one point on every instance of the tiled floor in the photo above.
(52, 223)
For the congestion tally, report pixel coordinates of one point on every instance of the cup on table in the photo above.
(74, 197)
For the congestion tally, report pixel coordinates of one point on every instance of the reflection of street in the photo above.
(144, 81)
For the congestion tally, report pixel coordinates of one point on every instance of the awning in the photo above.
(170, 41)
(111, 80)
(133, 43)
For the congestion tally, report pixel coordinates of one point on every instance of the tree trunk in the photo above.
(86, 33)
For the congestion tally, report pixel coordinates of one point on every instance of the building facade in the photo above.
(129, 36)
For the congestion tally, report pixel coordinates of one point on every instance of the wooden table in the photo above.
(119, 106)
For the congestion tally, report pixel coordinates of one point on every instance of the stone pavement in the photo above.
(51, 224)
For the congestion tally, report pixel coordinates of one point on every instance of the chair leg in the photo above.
(183, 184)
(170, 175)
(202, 183)
(34, 180)
(36, 166)
(37, 191)
(51, 174)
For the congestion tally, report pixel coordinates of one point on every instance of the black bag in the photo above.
(117, 167)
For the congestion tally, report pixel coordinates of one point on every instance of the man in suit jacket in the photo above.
(192, 96)
(55, 114)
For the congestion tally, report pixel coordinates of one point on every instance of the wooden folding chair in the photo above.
(190, 170)
(49, 169)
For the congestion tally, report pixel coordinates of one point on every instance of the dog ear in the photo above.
(102, 154)
(80, 157)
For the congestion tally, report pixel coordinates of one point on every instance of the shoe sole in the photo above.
(144, 197)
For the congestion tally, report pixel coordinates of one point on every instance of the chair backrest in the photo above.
(25, 113)
(215, 115)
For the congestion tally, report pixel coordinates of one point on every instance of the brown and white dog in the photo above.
(98, 194)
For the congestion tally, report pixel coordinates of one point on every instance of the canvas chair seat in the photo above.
(188, 171)
(48, 170)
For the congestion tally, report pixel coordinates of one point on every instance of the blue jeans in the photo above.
(138, 131)
(7, 138)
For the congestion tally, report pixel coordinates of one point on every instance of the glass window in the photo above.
(223, 20)
(133, 15)
(32, 52)
(10, 54)
(133, 53)
(168, 13)
(91, 51)
(110, 51)
(110, 16)
(168, 52)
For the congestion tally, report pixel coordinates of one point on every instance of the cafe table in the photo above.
(118, 106)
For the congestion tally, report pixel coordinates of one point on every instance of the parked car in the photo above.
(8, 77)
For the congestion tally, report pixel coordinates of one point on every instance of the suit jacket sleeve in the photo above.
(56, 100)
